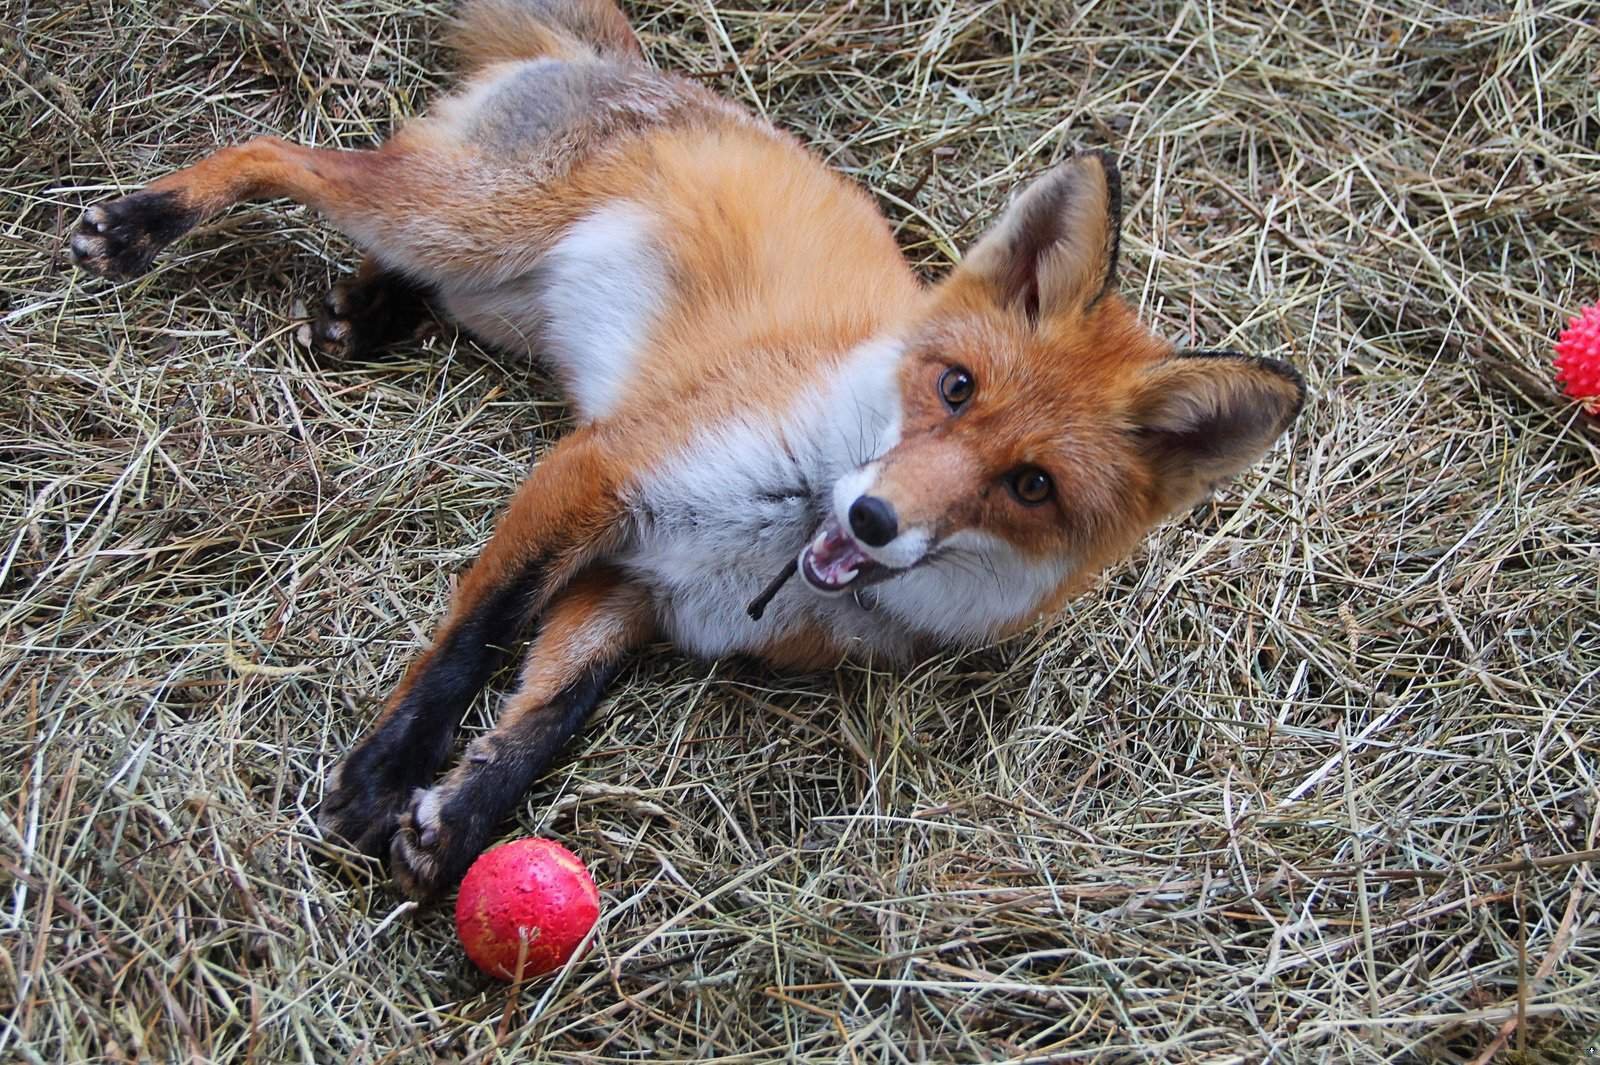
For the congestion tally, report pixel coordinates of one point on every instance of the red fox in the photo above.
(762, 389)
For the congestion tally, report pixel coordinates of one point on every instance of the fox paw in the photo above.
(343, 325)
(361, 809)
(361, 315)
(430, 854)
(120, 238)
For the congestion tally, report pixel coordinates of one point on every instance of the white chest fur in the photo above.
(720, 519)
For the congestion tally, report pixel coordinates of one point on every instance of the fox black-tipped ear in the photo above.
(1054, 250)
(1203, 416)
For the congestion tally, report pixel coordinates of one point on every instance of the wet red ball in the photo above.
(531, 891)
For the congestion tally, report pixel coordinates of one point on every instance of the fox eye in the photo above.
(956, 387)
(1031, 485)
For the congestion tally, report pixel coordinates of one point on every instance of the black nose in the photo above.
(873, 521)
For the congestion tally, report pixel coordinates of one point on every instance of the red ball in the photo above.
(531, 891)
(1578, 358)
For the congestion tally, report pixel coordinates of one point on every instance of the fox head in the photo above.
(1042, 429)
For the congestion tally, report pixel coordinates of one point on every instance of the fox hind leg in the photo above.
(402, 202)
(120, 238)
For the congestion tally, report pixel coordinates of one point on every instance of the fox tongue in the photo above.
(832, 560)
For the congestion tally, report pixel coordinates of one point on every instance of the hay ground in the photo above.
(1312, 777)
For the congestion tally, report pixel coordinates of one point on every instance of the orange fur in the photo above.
(775, 254)
(598, 617)
(494, 31)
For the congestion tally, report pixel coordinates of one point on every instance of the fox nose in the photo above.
(873, 521)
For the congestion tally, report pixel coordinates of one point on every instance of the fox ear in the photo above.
(1202, 416)
(1054, 251)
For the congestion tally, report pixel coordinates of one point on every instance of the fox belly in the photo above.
(585, 308)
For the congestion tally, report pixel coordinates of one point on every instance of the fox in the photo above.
(785, 444)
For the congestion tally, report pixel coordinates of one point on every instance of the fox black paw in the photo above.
(362, 809)
(360, 316)
(120, 238)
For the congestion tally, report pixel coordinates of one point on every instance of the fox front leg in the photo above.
(565, 515)
(583, 637)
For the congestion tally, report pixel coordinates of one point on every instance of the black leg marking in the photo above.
(445, 828)
(369, 312)
(370, 788)
(120, 238)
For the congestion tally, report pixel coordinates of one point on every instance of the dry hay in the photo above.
(1313, 776)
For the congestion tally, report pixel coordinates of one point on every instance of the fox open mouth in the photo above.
(834, 562)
